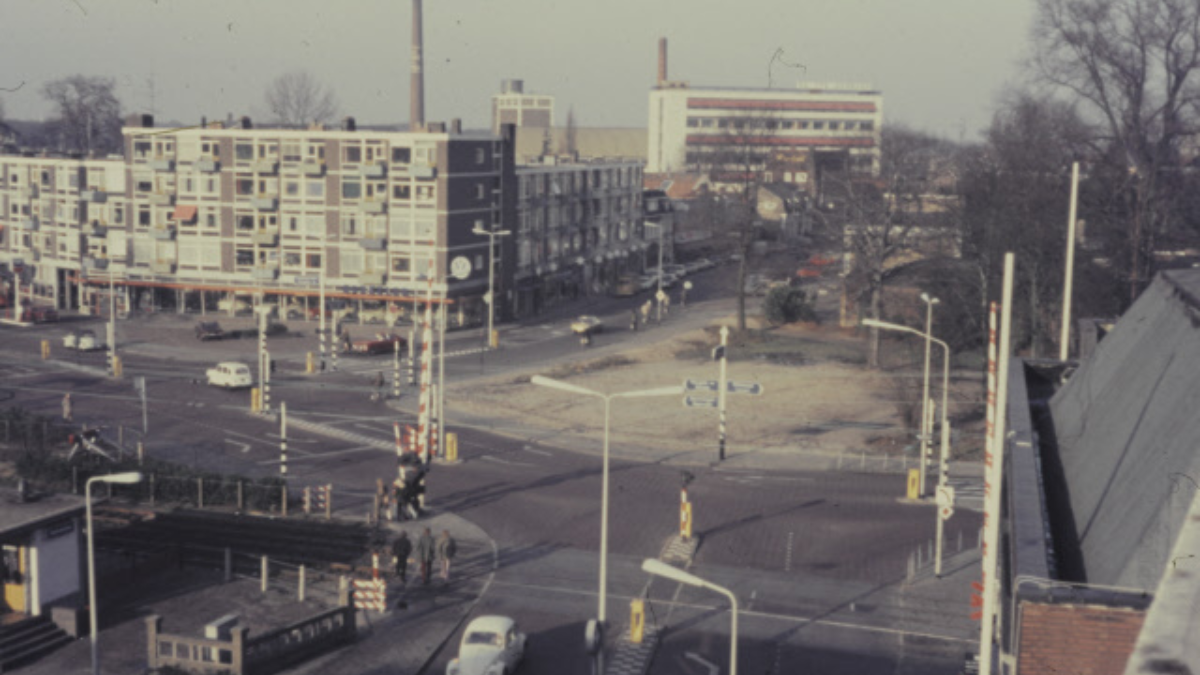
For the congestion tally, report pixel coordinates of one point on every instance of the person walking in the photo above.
(633, 320)
(379, 382)
(66, 408)
(425, 553)
(401, 550)
(446, 549)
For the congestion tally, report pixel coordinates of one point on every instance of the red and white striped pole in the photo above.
(423, 408)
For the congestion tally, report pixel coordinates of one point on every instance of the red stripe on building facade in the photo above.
(762, 104)
(859, 141)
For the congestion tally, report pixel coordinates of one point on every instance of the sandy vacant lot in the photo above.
(825, 404)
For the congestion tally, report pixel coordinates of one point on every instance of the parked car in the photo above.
(679, 271)
(83, 340)
(236, 305)
(39, 314)
(648, 281)
(587, 325)
(230, 375)
(491, 645)
(209, 330)
(380, 344)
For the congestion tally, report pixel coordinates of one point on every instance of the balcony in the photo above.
(28, 223)
(94, 196)
(163, 233)
(264, 238)
(313, 168)
(95, 230)
(265, 203)
(265, 166)
(374, 244)
(163, 267)
(162, 164)
(208, 165)
(161, 199)
(266, 273)
(94, 263)
(372, 278)
(374, 170)
(422, 171)
(375, 206)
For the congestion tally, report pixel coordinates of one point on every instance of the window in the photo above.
(693, 122)
(352, 262)
(481, 190)
(210, 186)
(212, 149)
(424, 192)
(350, 226)
(314, 224)
(266, 150)
(480, 155)
(245, 223)
(291, 152)
(802, 124)
(141, 149)
(313, 261)
(316, 151)
(818, 125)
(291, 259)
(402, 155)
(144, 186)
(244, 256)
(351, 189)
(244, 152)
(834, 126)
(401, 192)
(866, 126)
(210, 220)
(143, 215)
(267, 222)
(293, 223)
(315, 188)
(118, 214)
(291, 188)
(398, 227)
(400, 265)
(352, 154)
(245, 186)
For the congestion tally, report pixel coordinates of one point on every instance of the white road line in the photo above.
(504, 461)
(293, 440)
(787, 560)
(752, 614)
(753, 597)
(543, 453)
(244, 446)
(322, 455)
(711, 667)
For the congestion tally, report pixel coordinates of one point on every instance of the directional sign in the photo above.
(695, 402)
(945, 502)
(701, 385)
(752, 388)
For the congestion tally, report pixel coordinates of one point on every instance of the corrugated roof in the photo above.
(1128, 431)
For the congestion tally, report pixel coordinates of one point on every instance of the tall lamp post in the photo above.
(660, 228)
(662, 569)
(491, 235)
(925, 422)
(563, 386)
(944, 463)
(118, 478)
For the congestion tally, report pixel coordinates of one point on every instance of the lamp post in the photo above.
(944, 463)
(491, 235)
(119, 478)
(112, 324)
(662, 569)
(658, 296)
(563, 386)
(929, 303)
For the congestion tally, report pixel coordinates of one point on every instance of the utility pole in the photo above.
(321, 330)
(283, 439)
(722, 387)
(1065, 339)
(491, 235)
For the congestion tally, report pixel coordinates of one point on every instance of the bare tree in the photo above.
(297, 99)
(1133, 64)
(887, 227)
(87, 113)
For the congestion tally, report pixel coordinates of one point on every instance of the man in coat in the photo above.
(446, 550)
(425, 552)
(401, 550)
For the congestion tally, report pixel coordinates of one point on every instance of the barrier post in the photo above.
(637, 620)
(45, 349)
(452, 447)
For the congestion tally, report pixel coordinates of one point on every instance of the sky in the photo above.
(940, 64)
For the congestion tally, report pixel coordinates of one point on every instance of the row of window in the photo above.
(369, 152)
(742, 123)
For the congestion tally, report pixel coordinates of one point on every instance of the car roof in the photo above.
(491, 624)
(233, 364)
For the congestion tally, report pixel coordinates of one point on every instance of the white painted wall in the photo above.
(56, 563)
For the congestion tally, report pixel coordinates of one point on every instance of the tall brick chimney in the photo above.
(416, 113)
(662, 61)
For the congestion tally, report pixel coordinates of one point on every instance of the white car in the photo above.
(491, 645)
(230, 375)
(234, 305)
(83, 340)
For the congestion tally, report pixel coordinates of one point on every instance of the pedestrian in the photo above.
(425, 553)
(666, 304)
(401, 550)
(646, 312)
(633, 320)
(66, 407)
(446, 549)
(379, 382)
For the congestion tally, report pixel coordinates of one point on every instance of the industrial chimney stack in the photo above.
(416, 114)
(662, 61)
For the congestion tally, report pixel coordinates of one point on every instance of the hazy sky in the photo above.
(939, 63)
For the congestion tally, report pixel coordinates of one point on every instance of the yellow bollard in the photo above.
(118, 369)
(310, 364)
(255, 400)
(914, 483)
(494, 343)
(451, 446)
(685, 521)
(45, 349)
(637, 620)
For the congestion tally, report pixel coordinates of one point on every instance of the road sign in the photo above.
(718, 353)
(695, 402)
(945, 502)
(139, 385)
(701, 385)
(460, 267)
(752, 388)
(661, 296)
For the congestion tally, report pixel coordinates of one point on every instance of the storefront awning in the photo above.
(184, 213)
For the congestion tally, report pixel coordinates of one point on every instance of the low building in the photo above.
(41, 536)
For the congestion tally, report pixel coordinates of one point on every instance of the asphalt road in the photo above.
(818, 561)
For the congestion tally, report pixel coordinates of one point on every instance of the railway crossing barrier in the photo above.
(370, 594)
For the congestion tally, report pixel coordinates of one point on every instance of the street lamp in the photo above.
(121, 479)
(929, 303)
(491, 235)
(662, 569)
(563, 386)
(658, 296)
(945, 449)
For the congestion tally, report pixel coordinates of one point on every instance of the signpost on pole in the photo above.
(721, 387)
(139, 384)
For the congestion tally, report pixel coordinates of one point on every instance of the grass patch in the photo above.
(566, 370)
(781, 349)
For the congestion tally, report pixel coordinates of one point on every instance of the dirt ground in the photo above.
(818, 396)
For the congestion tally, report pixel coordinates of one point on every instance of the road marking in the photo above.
(754, 614)
(787, 560)
(245, 446)
(504, 461)
(753, 596)
(321, 455)
(292, 440)
(543, 453)
(712, 668)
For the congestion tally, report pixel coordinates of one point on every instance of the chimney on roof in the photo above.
(348, 124)
(246, 123)
(456, 126)
(662, 61)
(203, 122)
(416, 114)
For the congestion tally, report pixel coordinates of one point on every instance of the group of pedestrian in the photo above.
(425, 554)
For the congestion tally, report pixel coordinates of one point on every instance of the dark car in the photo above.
(39, 314)
(209, 330)
(380, 344)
